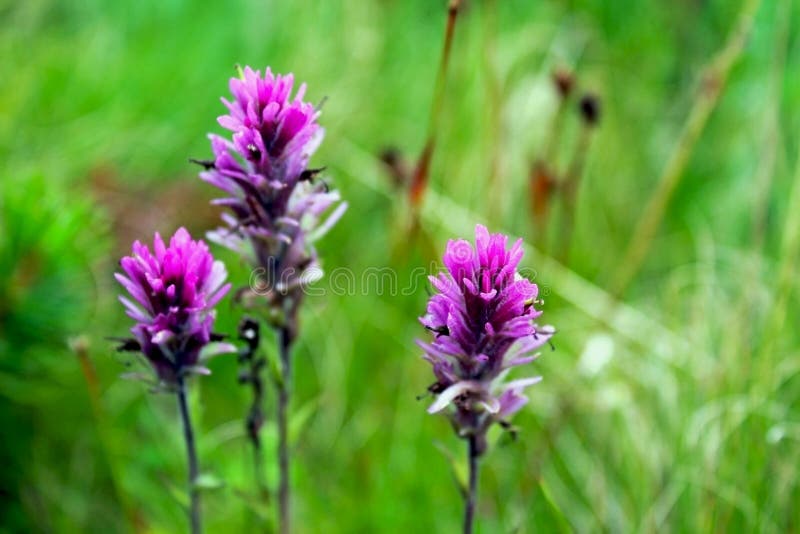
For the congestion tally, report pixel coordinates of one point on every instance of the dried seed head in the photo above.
(590, 108)
(396, 166)
(564, 82)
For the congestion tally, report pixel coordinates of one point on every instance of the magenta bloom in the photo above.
(483, 323)
(174, 292)
(274, 133)
(277, 207)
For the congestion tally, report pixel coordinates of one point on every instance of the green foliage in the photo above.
(674, 408)
(50, 249)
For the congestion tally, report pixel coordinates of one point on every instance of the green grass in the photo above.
(671, 407)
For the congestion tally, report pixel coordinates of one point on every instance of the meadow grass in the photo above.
(670, 401)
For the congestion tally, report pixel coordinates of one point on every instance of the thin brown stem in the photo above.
(419, 178)
(441, 79)
(544, 168)
(495, 112)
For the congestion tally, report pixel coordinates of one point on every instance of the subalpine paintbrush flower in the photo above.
(483, 322)
(277, 205)
(174, 290)
(270, 129)
(277, 209)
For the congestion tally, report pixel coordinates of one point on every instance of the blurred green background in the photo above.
(671, 404)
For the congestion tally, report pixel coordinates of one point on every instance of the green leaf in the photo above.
(563, 523)
(299, 419)
(457, 468)
(179, 494)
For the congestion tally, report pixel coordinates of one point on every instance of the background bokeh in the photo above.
(671, 405)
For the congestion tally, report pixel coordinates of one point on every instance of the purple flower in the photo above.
(174, 292)
(277, 207)
(271, 131)
(483, 323)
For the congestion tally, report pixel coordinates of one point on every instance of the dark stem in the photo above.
(545, 168)
(191, 454)
(249, 332)
(441, 78)
(258, 466)
(255, 440)
(284, 343)
(469, 509)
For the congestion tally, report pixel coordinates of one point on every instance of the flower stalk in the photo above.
(421, 174)
(191, 457)
(543, 173)
(472, 489)
(174, 290)
(277, 208)
(250, 334)
(482, 317)
(284, 349)
(589, 107)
